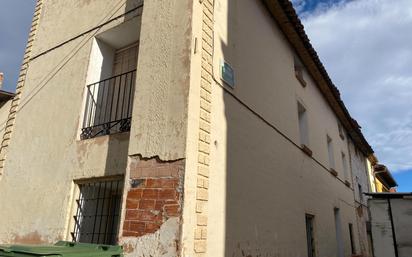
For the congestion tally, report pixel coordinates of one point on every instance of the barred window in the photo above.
(98, 211)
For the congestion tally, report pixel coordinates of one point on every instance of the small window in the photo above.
(310, 235)
(98, 212)
(330, 153)
(345, 167)
(109, 102)
(299, 72)
(338, 230)
(303, 125)
(110, 80)
(341, 133)
(352, 245)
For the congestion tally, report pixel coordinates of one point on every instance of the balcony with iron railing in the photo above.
(109, 105)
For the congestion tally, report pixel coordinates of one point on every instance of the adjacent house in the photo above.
(181, 128)
(384, 181)
(380, 178)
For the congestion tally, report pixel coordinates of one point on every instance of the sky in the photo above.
(365, 46)
(15, 21)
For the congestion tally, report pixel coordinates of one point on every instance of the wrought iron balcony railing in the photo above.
(109, 106)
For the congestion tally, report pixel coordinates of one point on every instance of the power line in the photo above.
(87, 32)
(70, 55)
(271, 125)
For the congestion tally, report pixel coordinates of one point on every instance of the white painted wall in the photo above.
(261, 184)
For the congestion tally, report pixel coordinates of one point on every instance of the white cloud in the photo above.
(299, 5)
(367, 50)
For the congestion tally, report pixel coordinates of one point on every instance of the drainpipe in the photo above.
(395, 245)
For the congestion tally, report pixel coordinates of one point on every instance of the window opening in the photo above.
(352, 245)
(98, 211)
(310, 235)
(109, 102)
(330, 153)
(303, 125)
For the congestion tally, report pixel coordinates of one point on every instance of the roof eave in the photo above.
(6, 96)
(286, 18)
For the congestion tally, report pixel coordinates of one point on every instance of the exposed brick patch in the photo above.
(156, 197)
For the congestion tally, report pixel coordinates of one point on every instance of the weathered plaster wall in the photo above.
(163, 242)
(381, 228)
(360, 177)
(159, 132)
(55, 156)
(262, 184)
(45, 154)
(159, 123)
(20, 84)
(402, 216)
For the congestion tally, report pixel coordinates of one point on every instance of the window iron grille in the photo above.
(98, 212)
(109, 106)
